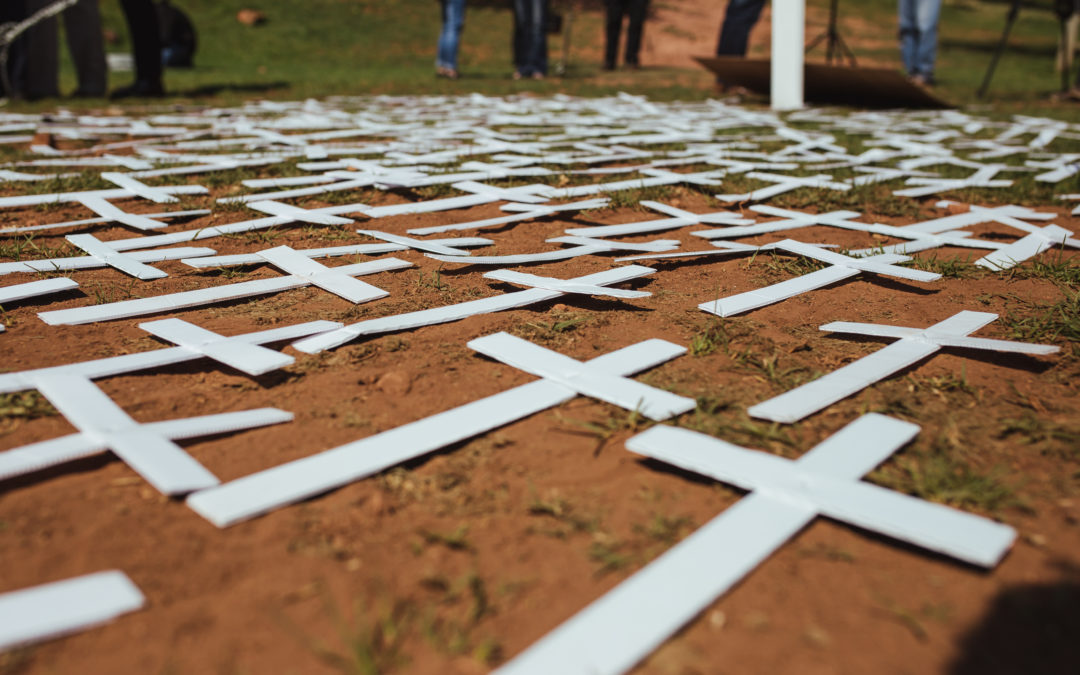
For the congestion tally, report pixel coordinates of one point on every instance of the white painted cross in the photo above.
(840, 267)
(582, 246)
(330, 252)
(1037, 240)
(527, 212)
(542, 289)
(679, 218)
(789, 220)
(653, 177)
(35, 289)
(914, 345)
(624, 626)
(147, 449)
(564, 378)
(112, 214)
(301, 274)
(297, 214)
(101, 254)
(118, 193)
(427, 246)
(782, 184)
(138, 188)
(128, 363)
(63, 607)
(983, 178)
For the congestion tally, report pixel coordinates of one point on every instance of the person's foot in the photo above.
(633, 65)
(609, 65)
(538, 76)
(139, 89)
(448, 73)
(518, 75)
(921, 80)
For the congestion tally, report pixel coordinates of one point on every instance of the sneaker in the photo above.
(448, 73)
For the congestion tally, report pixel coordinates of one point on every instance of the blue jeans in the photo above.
(530, 37)
(739, 18)
(453, 20)
(918, 35)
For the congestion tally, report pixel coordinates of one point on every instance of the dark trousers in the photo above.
(616, 9)
(145, 39)
(740, 17)
(530, 37)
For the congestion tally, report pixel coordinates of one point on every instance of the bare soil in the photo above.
(459, 560)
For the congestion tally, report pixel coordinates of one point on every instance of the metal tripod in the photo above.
(835, 47)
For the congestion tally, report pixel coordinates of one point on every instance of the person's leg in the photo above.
(537, 49)
(521, 12)
(613, 10)
(637, 10)
(739, 18)
(146, 44)
(82, 24)
(453, 15)
(927, 14)
(42, 69)
(909, 35)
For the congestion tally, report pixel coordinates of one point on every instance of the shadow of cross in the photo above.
(914, 345)
(622, 627)
(605, 377)
(146, 448)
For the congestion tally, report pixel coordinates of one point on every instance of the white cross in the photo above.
(527, 212)
(840, 267)
(543, 288)
(782, 184)
(914, 345)
(330, 252)
(102, 254)
(35, 289)
(582, 246)
(148, 449)
(1060, 168)
(722, 248)
(118, 193)
(297, 214)
(921, 241)
(340, 283)
(235, 352)
(63, 607)
(624, 626)
(128, 363)
(323, 277)
(285, 484)
(138, 188)
(416, 244)
(144, 220)
(877, 174)
(679, 218)
(653, 177)
(983, 178)
(790, 220)
(1035, 242)
(1006, 215)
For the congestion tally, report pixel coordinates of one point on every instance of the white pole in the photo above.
(788, 28)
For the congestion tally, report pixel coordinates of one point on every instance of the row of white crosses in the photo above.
(102, 424)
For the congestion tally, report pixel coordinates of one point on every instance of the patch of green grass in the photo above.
(1061, 439)
(664, 529)
(950, 268)
(1045, 323)
(25, 248)
(559, 509)
(25, 404)
(608, 556)
(556, 331)
(630, 421)
(938, 475)
(366, 646)
(455, 540)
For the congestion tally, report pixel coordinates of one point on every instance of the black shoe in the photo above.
(609, 65)
(139, 89)
(86, 93)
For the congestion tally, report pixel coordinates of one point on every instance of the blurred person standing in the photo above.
(453, 20)
(142, 20)
(615, 10)
(530, 39)
(918, 38)
(739, 18)
(85, 41)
